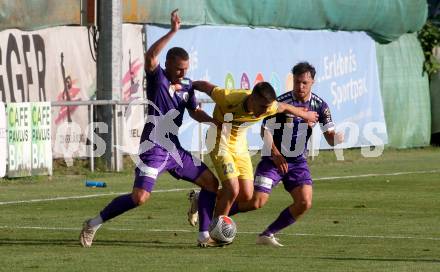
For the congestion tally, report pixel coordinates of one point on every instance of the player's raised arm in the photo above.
(309, 116)
(151, 56)
(204, 86)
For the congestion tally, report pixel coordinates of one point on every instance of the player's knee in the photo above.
(245, 196)
(211, 185)
(231, 190)
(308, 204)
(140, 198)
(304, 205)
(234, 192)
(209, 182)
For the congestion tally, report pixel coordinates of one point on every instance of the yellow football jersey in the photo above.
(227, 145)
(229, 108)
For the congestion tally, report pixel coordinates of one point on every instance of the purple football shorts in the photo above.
(180, 164)
(267, 175)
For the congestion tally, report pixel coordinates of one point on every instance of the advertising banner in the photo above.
(238, 57)
(132, 118)
(41, 138)
(59, 64)
(54, 64)
(19, 139)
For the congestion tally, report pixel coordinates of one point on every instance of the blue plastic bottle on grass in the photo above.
(92, 183)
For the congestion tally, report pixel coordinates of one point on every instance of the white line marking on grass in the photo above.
(177, 190)
(379, 175)
(367, 236)
(85, 196)
(384, 237)
(38, 228)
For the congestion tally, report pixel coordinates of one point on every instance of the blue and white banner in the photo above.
(238, 57)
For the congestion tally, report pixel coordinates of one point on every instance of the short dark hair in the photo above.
(177, 52)
(265, 90)
(303, 67)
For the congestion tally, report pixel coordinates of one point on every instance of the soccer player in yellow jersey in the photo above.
(237, 110)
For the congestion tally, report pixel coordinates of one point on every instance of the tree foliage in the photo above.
(429, 37)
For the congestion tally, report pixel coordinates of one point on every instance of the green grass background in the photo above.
(378, 223)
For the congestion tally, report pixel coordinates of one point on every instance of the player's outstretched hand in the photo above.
(311, 116)
(281, 163)
(339, 138)
(177, 87)
(175, 20)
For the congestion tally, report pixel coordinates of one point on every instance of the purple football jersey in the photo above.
(160, 149)
(291, 133)
(162, 101)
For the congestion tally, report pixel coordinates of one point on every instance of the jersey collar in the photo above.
(295, 99)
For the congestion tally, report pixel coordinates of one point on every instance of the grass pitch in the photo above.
(369, 214)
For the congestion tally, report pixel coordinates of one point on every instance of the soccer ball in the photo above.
(223, 229)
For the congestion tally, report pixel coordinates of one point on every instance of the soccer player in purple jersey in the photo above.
(286, 136)
(169, 93)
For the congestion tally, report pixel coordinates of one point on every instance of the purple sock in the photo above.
(118, 206)
(284, 220)
(206, 205)
(234, 209)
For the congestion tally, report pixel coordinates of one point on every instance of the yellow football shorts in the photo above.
(232, 165)
(233, 160)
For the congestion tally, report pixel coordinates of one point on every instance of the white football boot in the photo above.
(87, 234)
(209, 242)
(268, 240)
